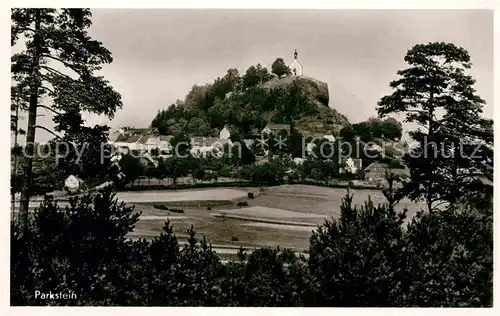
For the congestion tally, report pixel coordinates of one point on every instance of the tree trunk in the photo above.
(15, 154)
(30, 132)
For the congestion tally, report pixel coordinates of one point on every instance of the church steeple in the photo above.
(296, 66)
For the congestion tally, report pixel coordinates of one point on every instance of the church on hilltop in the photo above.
(296, 67)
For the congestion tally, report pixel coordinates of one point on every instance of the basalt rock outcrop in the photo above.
(317, 92)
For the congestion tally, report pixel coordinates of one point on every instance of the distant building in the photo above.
(276, 128)
(249, 142)
(114, 135)
(255, 132)
(376, 171)
(72, 184)
(373, 147)
(298, 160)
(310, 147)
(351, 165)
(225, 133)
(152, 143)
(206, 145)
(329, 136)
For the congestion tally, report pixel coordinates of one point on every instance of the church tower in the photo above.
(296, 66)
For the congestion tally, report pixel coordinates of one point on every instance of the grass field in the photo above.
(288, 203)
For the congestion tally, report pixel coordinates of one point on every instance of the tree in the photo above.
(176, 167)
(198, 127)
(87, 154)
(161, 169)
(347, 133)
(199, 173)
(356, 260)
(131, 167)
(390, 191)
(151, 172)
(181, 144)
(251, 78)
(271, 173)
(18, 105)
(279, 68)
(263, 74)
(58, 37)
(436, 93)
(449, 259)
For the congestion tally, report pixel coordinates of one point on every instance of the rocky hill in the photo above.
(250, 102)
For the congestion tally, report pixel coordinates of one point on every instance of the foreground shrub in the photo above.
(367, 257)
(356, 260)
(80, 248)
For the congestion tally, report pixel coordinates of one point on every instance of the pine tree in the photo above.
(436, 93)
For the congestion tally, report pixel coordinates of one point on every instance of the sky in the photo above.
(160, 54)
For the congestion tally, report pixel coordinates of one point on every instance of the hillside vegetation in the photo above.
(251, 101)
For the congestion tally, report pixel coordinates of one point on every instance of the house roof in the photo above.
(133, 138)
(230, 128)
(153, 140)
(279, 126)
(208, 141)
(143, 139)
(255, 131)
(249, 142)
(122, 138)
(377, 165)
(166, 138)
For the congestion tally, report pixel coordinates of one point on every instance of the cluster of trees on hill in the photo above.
(388, 129)
(367, 257)
(233, 100)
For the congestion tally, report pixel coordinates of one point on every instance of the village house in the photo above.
(115, 134)
(225, 133)
(373, 147)
(152, 142)
(329, 137)
(376, 171)
(127, 139)
(205, 145)
(276, 128)
(254, 133)
(249, 142)
(350, 165)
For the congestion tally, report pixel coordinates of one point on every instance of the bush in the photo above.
(59, 248)
(160, 207)
(243, 203)
(234, 238)
(250, 195)
(176, 210)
